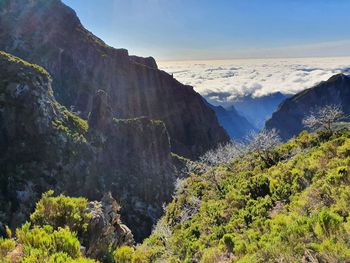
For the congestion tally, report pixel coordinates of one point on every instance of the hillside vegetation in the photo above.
(293, 207)
(296, 210)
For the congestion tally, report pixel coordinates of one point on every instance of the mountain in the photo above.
(45, 146)
(48, 33)
(258, 109)
(288, 118)
(236, 125)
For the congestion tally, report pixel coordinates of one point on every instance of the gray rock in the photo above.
(105, 230)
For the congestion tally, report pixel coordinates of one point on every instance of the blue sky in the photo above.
(220, 29)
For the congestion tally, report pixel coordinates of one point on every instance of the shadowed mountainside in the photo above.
(44, 146)
(48, 33)
(288, 118)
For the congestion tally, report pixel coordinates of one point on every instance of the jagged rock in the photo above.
(149, 62)
(288, 118)
(105, 229)
(44, 146)
(101, 114)
(48, 33)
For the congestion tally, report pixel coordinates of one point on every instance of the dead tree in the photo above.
(324, 118)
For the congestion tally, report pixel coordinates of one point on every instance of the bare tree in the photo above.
(263, 143)
(223, 154)
(190, 209)
(163, 230)
(324, 118)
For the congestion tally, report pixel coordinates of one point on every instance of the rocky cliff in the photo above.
(105, 230)
(45, 146)
(288, 118)
(48, 33)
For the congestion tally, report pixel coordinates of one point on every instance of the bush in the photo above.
(45, 241)
(327, 223)
(6, 246)
(62, 211)
(123, 254)
(211, 255)
(228, 241)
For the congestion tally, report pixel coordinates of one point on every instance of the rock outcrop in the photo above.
(288, 118)
(48, 33)
(44, 146)
(105, 229)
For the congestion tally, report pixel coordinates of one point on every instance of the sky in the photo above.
(220, 29)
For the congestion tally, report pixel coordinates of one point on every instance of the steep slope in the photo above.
(258, 110)
(244, 211)
(48, 33)
(44, 146)
(288, 118)
(236, 125)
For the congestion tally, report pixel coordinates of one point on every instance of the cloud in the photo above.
(223, 81)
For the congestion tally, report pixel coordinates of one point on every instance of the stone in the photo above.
(105, 229)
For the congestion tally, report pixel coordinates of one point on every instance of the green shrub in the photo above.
(61, 211)
(327, 223)
(6, 246)
(228, 241)
(211, 255)
(46, 240)
(123, 254)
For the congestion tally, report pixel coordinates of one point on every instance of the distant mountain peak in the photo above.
(338, 77)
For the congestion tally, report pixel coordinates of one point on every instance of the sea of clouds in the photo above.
(223, 81)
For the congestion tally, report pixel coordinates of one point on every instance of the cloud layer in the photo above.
(222, 81)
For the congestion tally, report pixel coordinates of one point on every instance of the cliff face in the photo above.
(48, 33)
(45, 146)
(288, 118)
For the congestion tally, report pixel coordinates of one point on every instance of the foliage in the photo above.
(61, 211)
(70, 124)
(6, 246)
(48, 241)
(51, 238)
(294, 209)
(123, 254)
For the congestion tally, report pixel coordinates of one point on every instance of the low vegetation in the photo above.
(291, 210)
(19, 61)
(51, 235)
(260, 201)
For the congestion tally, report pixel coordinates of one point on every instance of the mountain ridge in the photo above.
(288, 117)
(48, 33)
